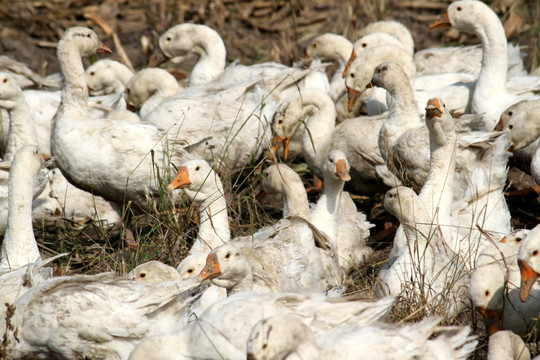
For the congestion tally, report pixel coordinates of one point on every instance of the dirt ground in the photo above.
(254, 31)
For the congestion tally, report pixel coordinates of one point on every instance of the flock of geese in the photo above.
(433, 129)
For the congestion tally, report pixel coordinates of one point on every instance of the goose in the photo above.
(106, 77)
(94, 316)
(223, 329)
(152, 272)
(282, 81)
(117, 168)
(293, 237)
(515, 238)
(287, 336)
(523, 155)
(355, 137)
(352, 229)
(528, 262)
(505, 345)
(148, 88)
(490, 97)
(524, 132)
(494, 291)
(449, 59)
(59, 197)
(403, 130)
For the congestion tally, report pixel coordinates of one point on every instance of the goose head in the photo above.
(192, 265)
(375, 39)
(403, 203)
(10, 91)
(515, 238)
(146, 83)
(275, 178)
(106, 77)
(153, 272)
(284, 125)
(469, 16)
(487, 287)
(529, 262)
(387, 75)
(336, 166)
(325, 47)
(86, 41)
(522, 124)
(183, 39)
(226, 266)
(198, 180)
(438, 121)
(281, 337)
(394, 28)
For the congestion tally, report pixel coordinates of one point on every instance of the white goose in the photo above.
(148, 88)
(528, 262)
(494, 291)
(505, 345)
(107, 77)
(152, 272)
(223, 329)
(295, 238)
(59, 197)
(94, 316)
(121, 165)
(288, 336)
(491, 96)
(524, 130)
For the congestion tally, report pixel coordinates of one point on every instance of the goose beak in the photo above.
(492, 319)
(211, 270)
(341, 170)
(103, 49)
(500, 125)
(286, 141)
(434, 109)
(306, 55)
(261, 194)
(46, 157)
(503, 240)
(351, 59)
(510, 148)
(528, 277)
(352, 96)
(181, 181)
(443, 22)
(131, 108)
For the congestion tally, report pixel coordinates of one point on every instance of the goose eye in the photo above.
(314, 45)
(364, 45)
(264, 346)
(92, 73)
(487, 292)
(352, 75)
(88, 36)
(168, 38)
(518, 239)
(510, 126)
(128, 91)
(197, 168)
(535, 252)
(142, 275)
(228, 255)
(459, 8)
(190, 271)
(510, 113)
(5, 80)
(280, 122)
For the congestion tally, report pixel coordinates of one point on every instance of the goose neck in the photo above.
(212, 57)
(295, 201)
(326, 212)
(320, 122)
(244, 284)
(19, 247)
(21, 129)
(493, 73)
(214, 229)
(75, 90)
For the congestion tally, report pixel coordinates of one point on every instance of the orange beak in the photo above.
(103, 49)
(503, 240)
(353, 96)
(528, 277)
(510, 148)
(341, 170)
(276, 140)
(261, 194)
(351, 59)
(500, 125)
(46, 157)
(442, 22)
(181, 181)
(306, 55)
(492, 319)
(131, 108)
(434, 108)
(211, 270)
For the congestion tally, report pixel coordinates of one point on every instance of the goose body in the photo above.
(117, 167)
(377, 340)
(223, 329)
